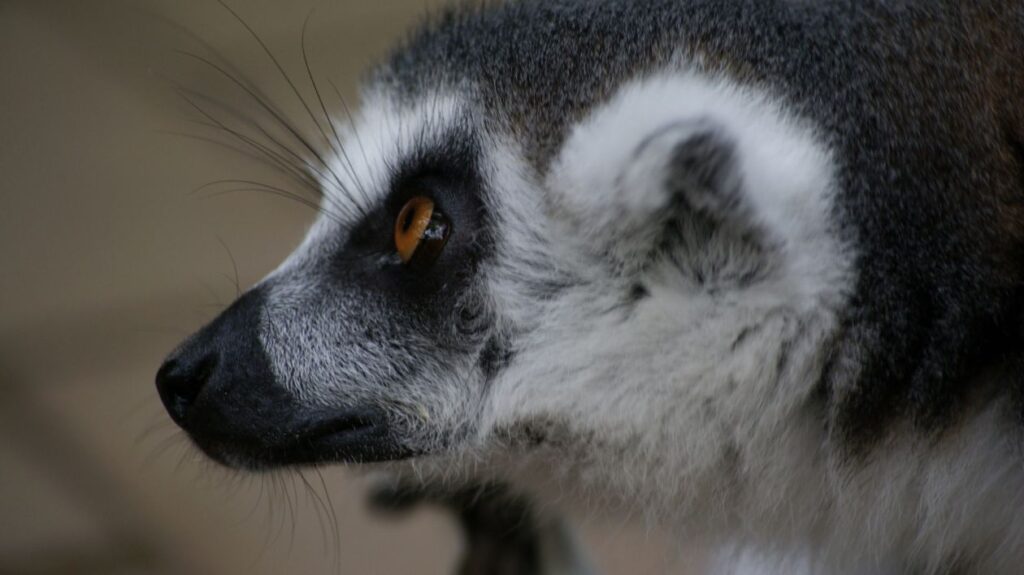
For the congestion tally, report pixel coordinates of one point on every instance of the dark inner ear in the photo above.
(704, 175)
(712, 233)
(714, 252)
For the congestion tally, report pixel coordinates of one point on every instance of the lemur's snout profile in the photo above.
(219, 387)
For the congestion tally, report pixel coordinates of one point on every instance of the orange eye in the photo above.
(420, 232)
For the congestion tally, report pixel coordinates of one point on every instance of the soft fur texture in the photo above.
(752, 270)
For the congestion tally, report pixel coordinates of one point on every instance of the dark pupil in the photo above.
(408, 219)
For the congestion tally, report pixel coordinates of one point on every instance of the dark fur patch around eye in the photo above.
(444, 168)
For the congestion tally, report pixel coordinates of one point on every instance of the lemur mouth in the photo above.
(220, 388)
(357, 436)
(353, 436)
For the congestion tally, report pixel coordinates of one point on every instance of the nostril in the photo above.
(179, 383)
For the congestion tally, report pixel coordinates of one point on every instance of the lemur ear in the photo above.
(676, 183)
(717, 178)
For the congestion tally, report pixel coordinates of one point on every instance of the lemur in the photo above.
(750, 269)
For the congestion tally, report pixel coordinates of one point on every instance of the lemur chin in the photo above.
(753, 270)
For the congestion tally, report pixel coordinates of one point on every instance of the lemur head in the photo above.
(511, 247)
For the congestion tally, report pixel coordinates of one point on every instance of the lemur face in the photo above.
(373, 340)
(510, 259)
(451, 297)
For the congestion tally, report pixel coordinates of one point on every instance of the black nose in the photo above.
(199, 380)
(181, 379)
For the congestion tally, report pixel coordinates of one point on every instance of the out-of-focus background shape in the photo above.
(109, 257)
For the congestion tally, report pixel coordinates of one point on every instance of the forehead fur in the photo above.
(526, 63)
(540, 66)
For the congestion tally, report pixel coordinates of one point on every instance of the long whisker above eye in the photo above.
(224, 67)
(256, 154)
(299, 173)
(340, 148)
(300, 169)
(273, 137)
(291, 84)
(271, 190)
(275, 113)
(312, 82)
(351, 120)
(319, 207)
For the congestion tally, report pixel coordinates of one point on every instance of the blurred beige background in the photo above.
(107, 259)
